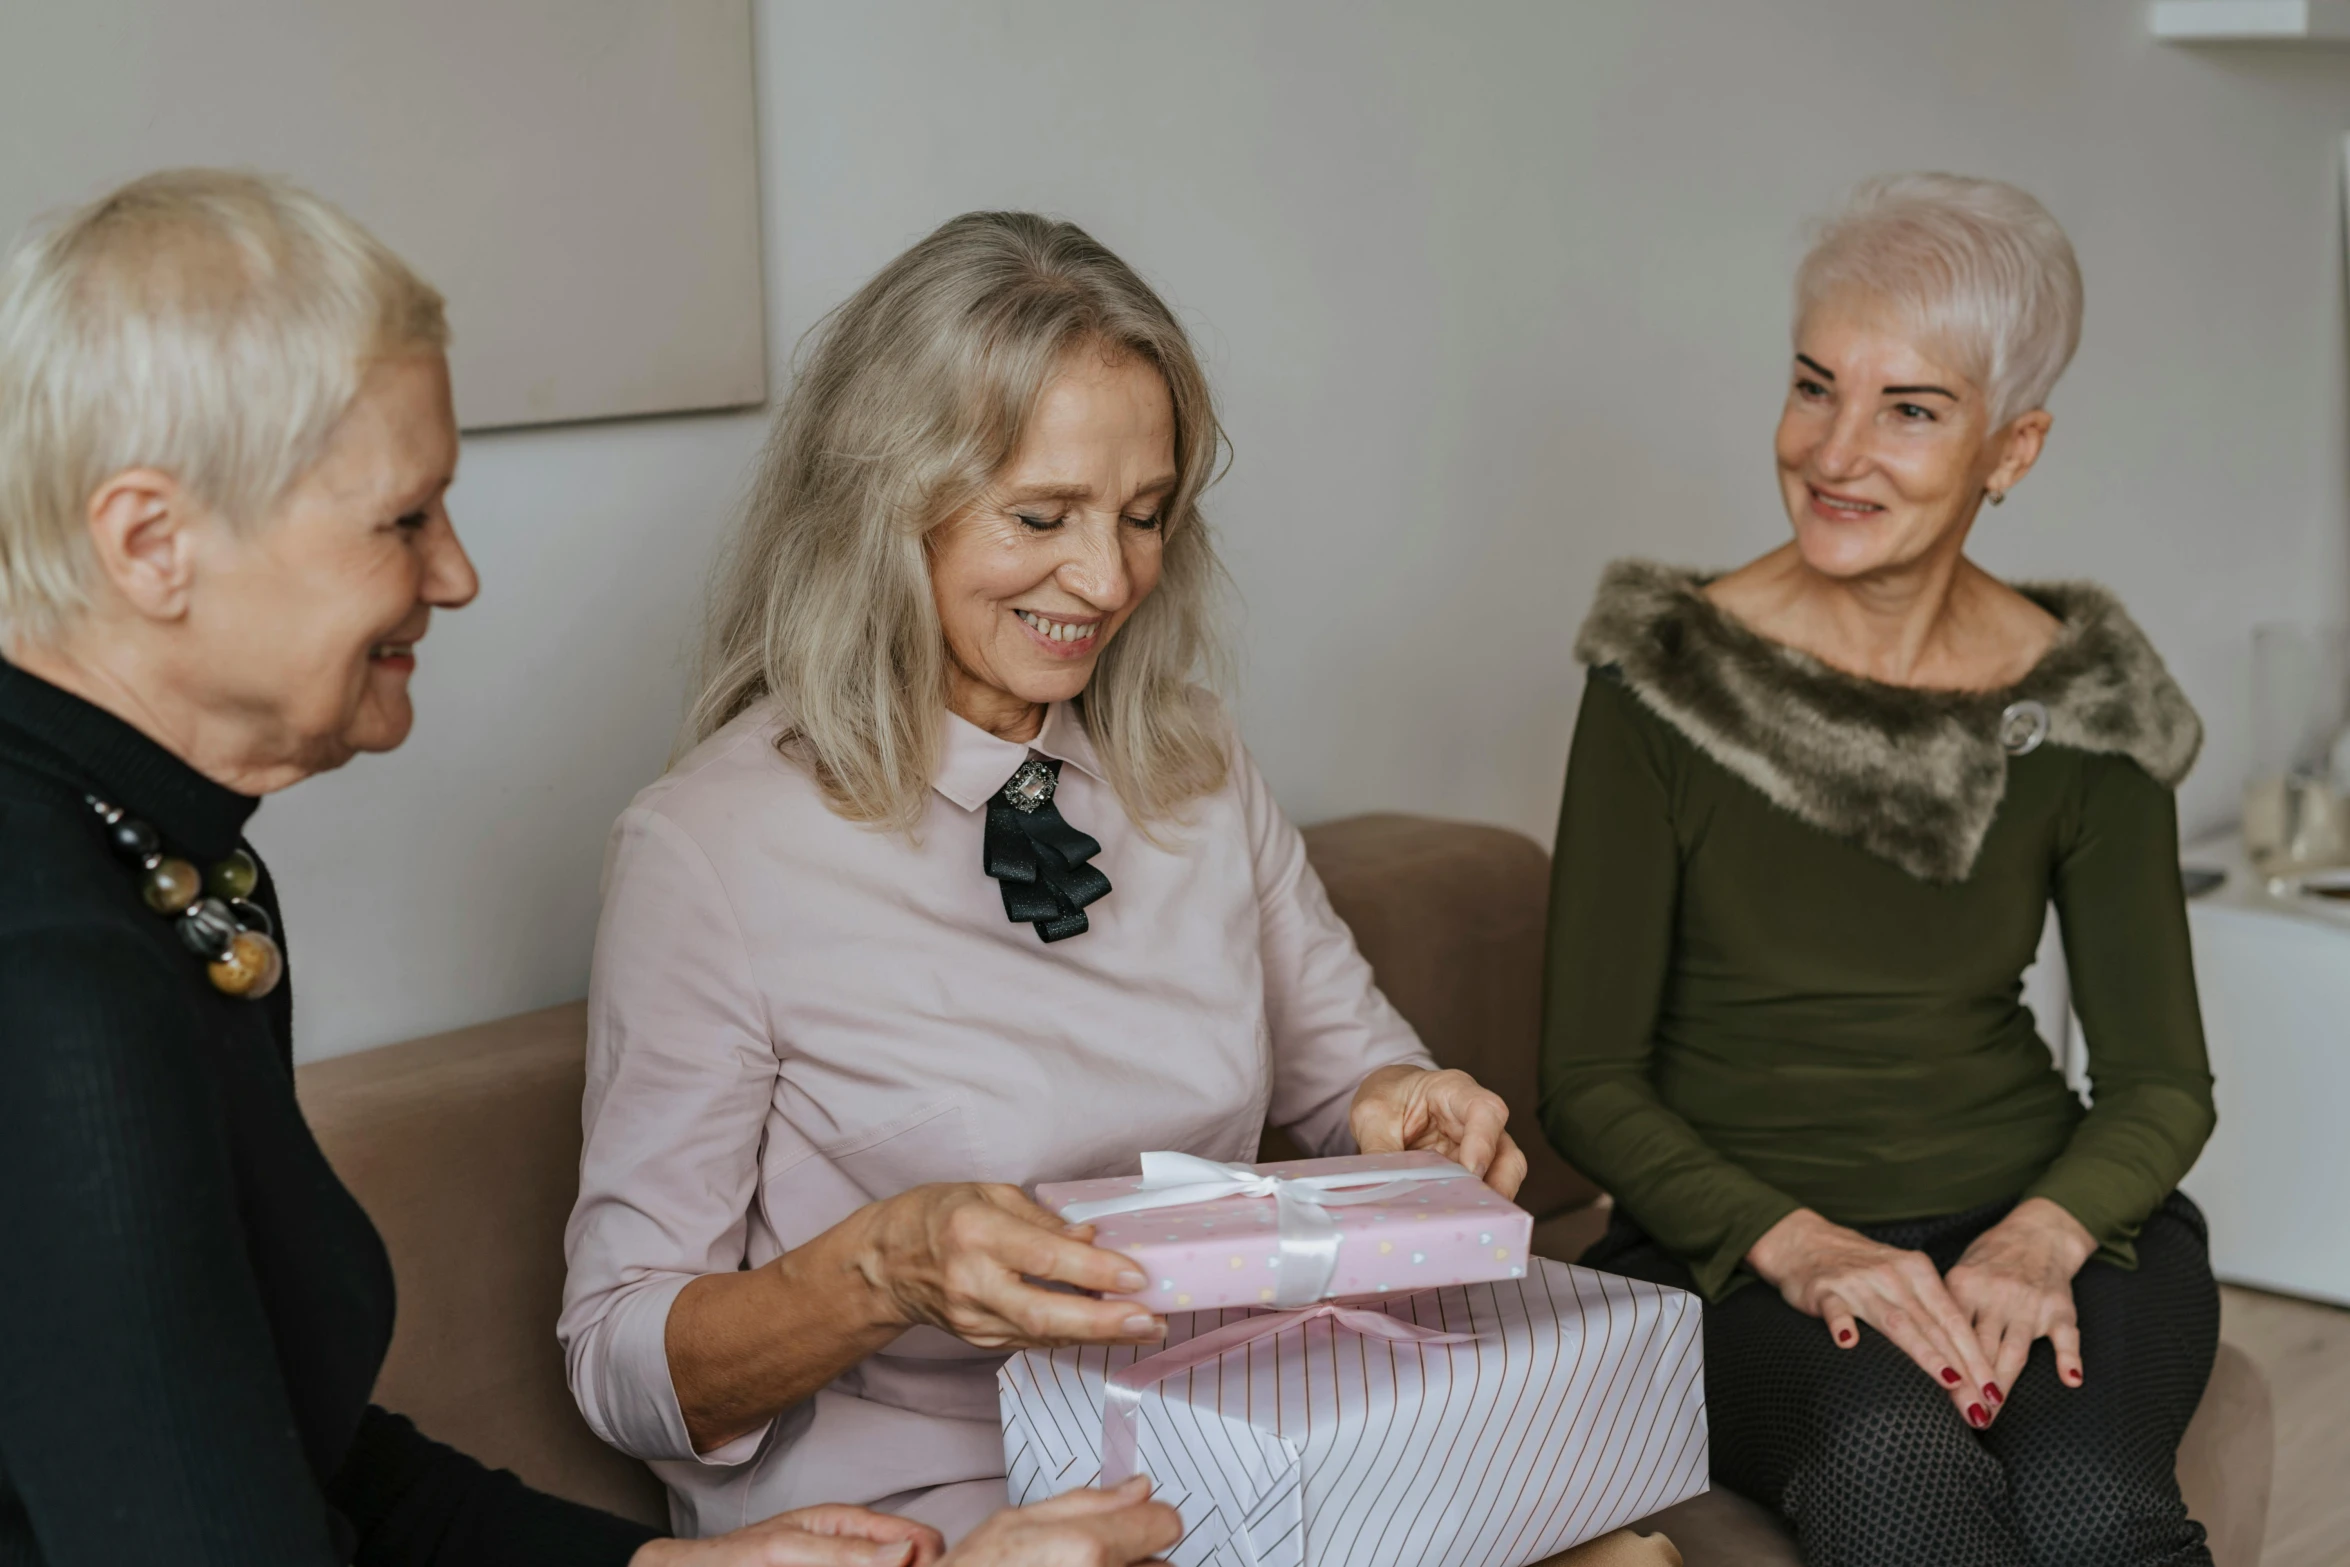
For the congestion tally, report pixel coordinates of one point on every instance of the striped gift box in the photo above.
(1577, 1406)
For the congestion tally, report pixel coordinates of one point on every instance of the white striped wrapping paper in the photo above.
(1580, 1408)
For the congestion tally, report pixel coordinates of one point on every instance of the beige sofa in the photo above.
(464, 1147)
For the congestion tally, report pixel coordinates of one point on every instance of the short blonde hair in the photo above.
(914, 395)
(210, 324)
(1975, 265)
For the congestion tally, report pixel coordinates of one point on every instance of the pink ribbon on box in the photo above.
(1122, 1392)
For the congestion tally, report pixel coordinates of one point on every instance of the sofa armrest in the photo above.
(1451, 917)
(464, 1150)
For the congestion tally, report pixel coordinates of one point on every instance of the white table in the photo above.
(2275, 1178)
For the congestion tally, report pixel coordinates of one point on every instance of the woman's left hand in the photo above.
(828, 1536)
(1401, 1108)
(2016, 1284)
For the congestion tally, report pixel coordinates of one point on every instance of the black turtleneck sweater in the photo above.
(192, 1307)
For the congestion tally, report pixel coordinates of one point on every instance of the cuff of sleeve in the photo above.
(1718, 1269)
(1328, 1129)
(2089, 1199)
(634, 1398)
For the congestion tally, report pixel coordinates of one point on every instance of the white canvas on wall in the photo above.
(579, 177)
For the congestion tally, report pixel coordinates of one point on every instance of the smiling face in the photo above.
(311, 617)
(1033, 580)
(1885, 450)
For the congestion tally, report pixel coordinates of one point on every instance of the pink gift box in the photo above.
(1227, 1252)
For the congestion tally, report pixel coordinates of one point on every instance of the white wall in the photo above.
(1492, 294)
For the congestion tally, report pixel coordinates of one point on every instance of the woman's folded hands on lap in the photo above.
(1970, 1331)
(1845, 1279)
(2015, 1283)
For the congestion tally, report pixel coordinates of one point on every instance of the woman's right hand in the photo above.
(1844, 1278)
(959, 1257)
(744, 1346)
(826, 1536)
(1114, 1528)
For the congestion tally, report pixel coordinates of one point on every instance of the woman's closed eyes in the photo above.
(1036, 524)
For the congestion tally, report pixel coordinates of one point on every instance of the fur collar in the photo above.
(1912, 776)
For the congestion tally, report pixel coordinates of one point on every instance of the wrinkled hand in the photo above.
(2015, 1284)
(1116, 1528)
(808, 1537)
(1840, 1275)
(1400, 1108)
(954, 1256)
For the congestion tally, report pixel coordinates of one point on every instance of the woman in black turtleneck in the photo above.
(225, 438)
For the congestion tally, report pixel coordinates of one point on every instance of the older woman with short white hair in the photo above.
(226, 446)
(966, 885)
(1817, 810)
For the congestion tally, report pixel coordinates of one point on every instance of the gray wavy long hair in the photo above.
(914, 395)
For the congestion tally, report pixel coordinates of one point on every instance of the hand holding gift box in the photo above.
(1487, 1425)
(1210, 1234)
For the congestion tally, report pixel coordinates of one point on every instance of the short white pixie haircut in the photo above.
(210, 324)
(1976, 267)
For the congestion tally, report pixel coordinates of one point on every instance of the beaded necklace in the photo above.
(214, 912)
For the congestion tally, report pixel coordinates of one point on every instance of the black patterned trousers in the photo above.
(1864, 1457)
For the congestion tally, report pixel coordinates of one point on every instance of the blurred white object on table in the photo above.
(2273, 968)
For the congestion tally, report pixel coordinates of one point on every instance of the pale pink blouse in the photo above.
(793, 1015)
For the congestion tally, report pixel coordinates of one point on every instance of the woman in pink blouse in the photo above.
(966, 886)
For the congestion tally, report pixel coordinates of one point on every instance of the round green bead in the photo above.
(234, 877)
(170, 885)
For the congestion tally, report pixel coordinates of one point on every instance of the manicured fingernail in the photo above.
(1976, 1417)
(1131, 1281)
(1950, 1376)
(2074, 1377)
(1991, 1392)
(1144, 1327)
(1844, 1335)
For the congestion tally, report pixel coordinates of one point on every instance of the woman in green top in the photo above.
(1815, 816)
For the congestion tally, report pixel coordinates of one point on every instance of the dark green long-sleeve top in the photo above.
(1747, 1013)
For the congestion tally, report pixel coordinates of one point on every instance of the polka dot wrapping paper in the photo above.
(1227, 1252)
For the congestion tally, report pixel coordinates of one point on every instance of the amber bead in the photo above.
(250, 968)
(170, 885)
(234, 877)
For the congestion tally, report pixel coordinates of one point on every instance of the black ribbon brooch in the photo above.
(1038, 858)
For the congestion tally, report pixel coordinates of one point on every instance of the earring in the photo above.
(1995, 497)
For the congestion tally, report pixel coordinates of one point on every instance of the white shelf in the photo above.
(2252, 21)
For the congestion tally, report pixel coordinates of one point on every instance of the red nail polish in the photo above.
(1991, 1392)
(1844, 1335)
(1976, 1417)
(2074, 1377)
(1950, 1376)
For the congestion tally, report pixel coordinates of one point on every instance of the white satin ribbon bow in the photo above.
(1308, 1235)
